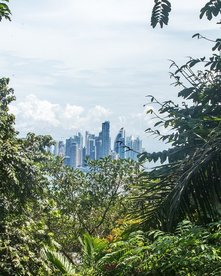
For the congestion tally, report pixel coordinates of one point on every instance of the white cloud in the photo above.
(62, 121)
(33, 109)
(73, 111)
(99, 112)
(34, 114)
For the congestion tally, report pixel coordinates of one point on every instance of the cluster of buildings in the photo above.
(77, 149)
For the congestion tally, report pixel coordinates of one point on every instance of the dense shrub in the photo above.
(191, 250)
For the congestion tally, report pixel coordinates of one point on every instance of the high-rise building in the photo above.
(74, 151)
(93, 146)
(79, 140)
(55, 149)
(84, 163)
(119, 144)
(90, 145)
(137, 146)
(92, 153)
(98, 146)
(74, 156)
(134, 147)
(70, 153)
(87, 146)
(105, 137)
(129, 145)
(61, 149)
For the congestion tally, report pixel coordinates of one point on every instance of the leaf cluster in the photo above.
(162, 8)
(4, 10)
(188, 183)
(160, 13)
(192, 250)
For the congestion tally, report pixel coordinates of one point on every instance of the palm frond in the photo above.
(59, 261)
(190, 188)
(92, 248)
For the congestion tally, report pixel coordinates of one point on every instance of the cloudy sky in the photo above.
(75, 63)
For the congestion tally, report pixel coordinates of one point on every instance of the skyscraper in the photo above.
(92, 154)
(98, 145)
(84, 157)
(119, 144)
(73, 151)
(105, 137)
(79, 140)
(70, 152)
(129, 144)
(87, 146)
(135, 145)
(61, 148)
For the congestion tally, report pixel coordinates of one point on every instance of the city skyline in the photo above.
(76, 149)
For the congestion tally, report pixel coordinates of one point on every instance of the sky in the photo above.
(76, 63)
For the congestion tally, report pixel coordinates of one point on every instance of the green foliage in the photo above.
(21, 240)
(92, 202)
(43, 201)
(193, 250)
(20, 175)
(189, 187)
(211, 9)
(188, 184)
(162, 9)
(160, 13)
(4, 10)
(123, 257)
(86, 203)
(189, 125)
(92, 249)
(58, 260)
(22, 195)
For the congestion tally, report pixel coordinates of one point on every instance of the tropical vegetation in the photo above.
(120, 219)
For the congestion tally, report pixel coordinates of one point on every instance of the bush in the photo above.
(191, 250)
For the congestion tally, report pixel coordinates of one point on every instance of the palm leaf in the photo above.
(190, 188)
(59, 261)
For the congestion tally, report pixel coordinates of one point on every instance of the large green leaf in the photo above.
(191, 187)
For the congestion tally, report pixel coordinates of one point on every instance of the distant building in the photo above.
(87, 146)
(84, 157)
(70, 153)
(105, 137)
(61, 149)
(134, 146)
(119, 144)
(98, 146)
(129, 145)
(55, 149)
(137, 146)
(79, 140)
(92, 153)
(75, 152)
